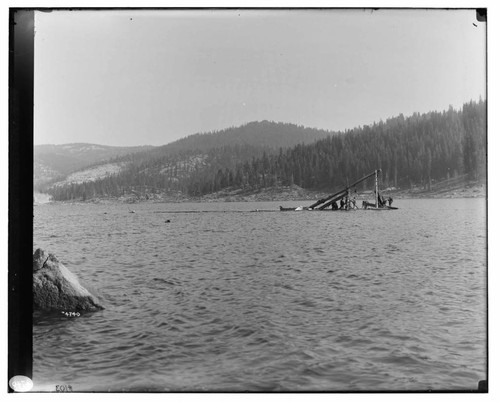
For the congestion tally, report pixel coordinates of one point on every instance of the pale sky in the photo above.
(135, 77)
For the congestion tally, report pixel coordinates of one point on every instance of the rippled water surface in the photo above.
(228, 298)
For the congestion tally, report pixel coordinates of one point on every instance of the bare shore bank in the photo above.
(287, 193)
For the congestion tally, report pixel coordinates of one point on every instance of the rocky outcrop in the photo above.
(56, 288)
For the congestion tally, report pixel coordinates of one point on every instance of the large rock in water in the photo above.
(56, 288)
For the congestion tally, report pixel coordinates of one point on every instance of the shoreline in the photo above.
(282, 194)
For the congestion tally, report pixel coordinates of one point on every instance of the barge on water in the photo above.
(348, 201)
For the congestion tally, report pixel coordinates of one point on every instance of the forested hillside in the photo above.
(265, 134)
(249, 140)
(56, 161)
(412, 150)
(168, 167)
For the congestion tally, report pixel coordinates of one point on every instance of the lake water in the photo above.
(228, 298)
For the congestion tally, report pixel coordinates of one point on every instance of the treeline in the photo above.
(264, 134)
(412, 150)
(171, 173)
(415, 150)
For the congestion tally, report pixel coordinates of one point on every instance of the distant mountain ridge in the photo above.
(57, 161)
(236, 143)
(264, 133)
(258, 135)
(416, 150)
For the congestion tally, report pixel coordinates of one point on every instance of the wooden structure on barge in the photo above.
(344, 196)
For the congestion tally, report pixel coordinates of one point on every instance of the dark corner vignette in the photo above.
(481, 14)
(20, 226)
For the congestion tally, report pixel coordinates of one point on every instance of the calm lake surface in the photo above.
(228, 298)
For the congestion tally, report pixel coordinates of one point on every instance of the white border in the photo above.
(493, 133)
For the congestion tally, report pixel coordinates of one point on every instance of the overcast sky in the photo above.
(151, 77)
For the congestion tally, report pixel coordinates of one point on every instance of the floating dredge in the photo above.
(347, 201)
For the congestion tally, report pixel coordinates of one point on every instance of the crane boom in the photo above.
(340, 194)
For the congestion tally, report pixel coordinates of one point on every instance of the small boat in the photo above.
(287, 209)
